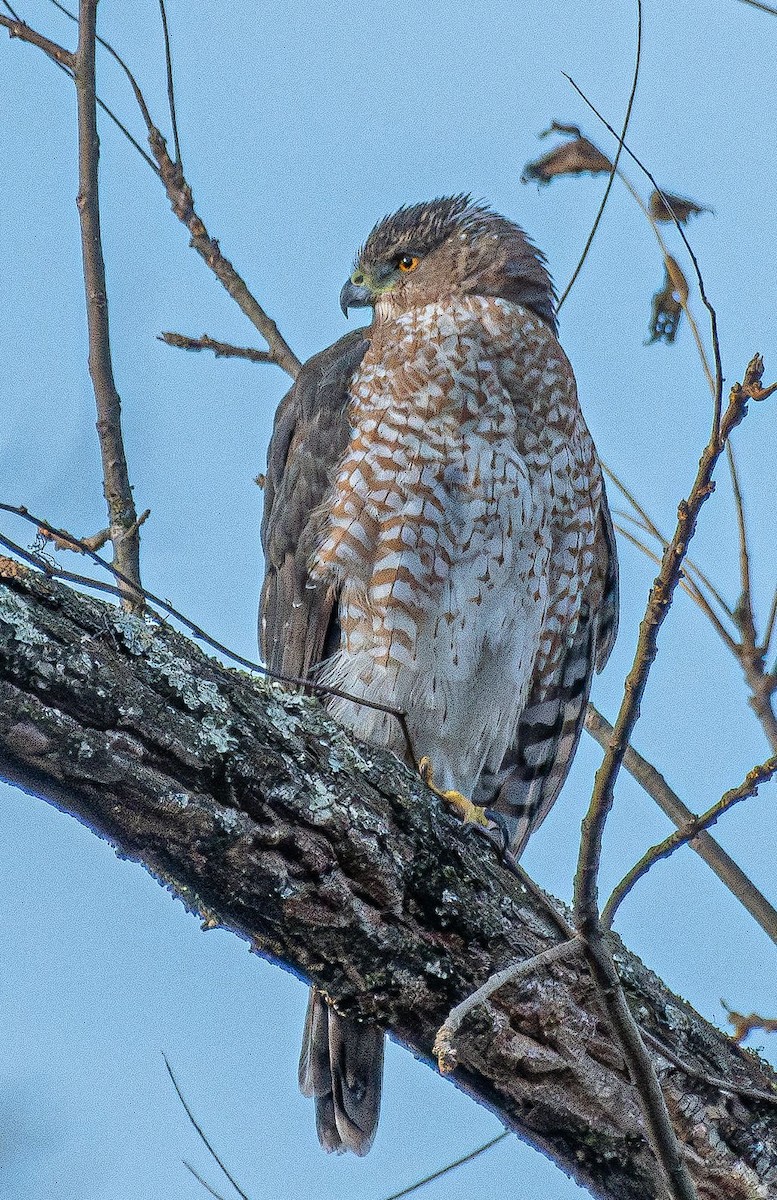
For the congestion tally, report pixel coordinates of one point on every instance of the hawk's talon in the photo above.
(470, 813)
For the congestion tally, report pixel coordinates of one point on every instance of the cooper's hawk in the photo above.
(437, 538)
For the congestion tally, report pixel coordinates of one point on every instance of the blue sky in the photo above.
(300, 129)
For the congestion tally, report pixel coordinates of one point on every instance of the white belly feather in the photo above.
(439, 545)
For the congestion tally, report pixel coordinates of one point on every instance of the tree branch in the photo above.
(686, 833)
(220, 349)
(122, 515)
(703, 843)
(334, 860)
(587, 920)
(179, 194)
(22, 31)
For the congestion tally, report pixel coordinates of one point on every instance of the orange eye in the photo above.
(408, 262)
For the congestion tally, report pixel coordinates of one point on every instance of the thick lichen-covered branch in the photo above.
(335, 861)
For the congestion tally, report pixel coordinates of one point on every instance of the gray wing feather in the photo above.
(309, 438)
(341, 1064)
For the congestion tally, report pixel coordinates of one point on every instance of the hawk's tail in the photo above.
(341, 1067)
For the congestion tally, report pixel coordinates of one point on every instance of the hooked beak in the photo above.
(354, 295)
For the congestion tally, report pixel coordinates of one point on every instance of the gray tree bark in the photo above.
(330, 857)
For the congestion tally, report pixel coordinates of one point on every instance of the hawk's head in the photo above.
(446, 247)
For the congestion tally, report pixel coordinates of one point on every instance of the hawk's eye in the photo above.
(408, 262)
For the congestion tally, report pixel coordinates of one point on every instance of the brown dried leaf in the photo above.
(667, 305)
(668, 207)
(743, 1026)
(65, 541)
(570, 158)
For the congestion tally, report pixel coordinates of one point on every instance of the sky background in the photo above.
(300, 127)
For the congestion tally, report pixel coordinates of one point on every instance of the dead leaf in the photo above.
(576, 157)
(667, 306)
(747, 1025)
(666, 207)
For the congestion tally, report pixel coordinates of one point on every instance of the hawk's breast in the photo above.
(437, 535)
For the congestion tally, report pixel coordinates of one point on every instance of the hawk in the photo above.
(437, 539)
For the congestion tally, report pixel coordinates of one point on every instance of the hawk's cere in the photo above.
(437, 539)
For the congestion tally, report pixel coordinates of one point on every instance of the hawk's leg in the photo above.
(468, 811)
(491, 825)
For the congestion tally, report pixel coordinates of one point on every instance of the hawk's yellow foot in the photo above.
(465, 808)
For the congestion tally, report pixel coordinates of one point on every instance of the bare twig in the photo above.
(170, 86)
(220, 349)
(122, 516)
(688, 584)
(686, 833)
(718, 381)
(199, 1129)
(450, 1167)
(767, 8)
(703, 844)
(765, 645)
(751, 655)
(659, 1126)
(616, 160)
(18, 29)
(443, 1047)
(603, 970)
(48, 568)
(723, 1085)
(744, 609)
(657, 609)
(689, 566)
(182, 202)
(210, 1190)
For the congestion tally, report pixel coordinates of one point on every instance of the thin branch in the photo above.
(19, 29)
(723, 1085)
(170, 87)
(181, 200)
(657, 609)
(220, 349)
(139, 97)
(770, 625)
(767, 8)
(443, 1048)
(653, 782)
(46, 567)
(598, 956)
(450, 1167)
(744, 610)
(686, 833)
(689, 586)
(211, 1190)
(201, 1133)
(718, 388)
(690, 565)
(122, 515)
(661, 1133)
(614, 170)
(109, 111)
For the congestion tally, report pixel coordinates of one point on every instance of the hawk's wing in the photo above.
(297, 621)
(536, 765)
(341, 1064)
